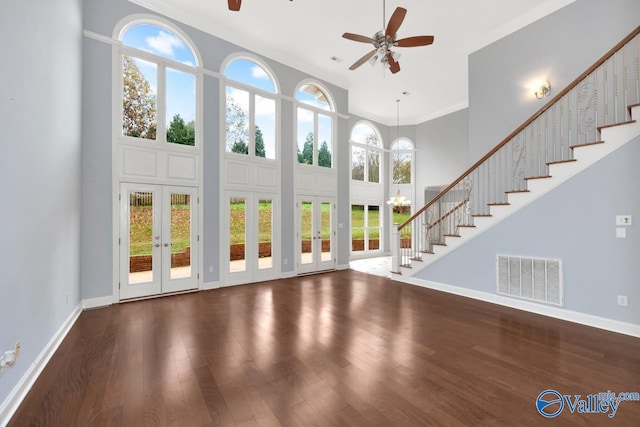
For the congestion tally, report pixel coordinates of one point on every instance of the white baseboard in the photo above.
(100, 302)
(532, 307)
(343, 267)
(17, 395)
(207, 286)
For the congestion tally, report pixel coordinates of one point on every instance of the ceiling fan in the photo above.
(234, 5)
(385, 39)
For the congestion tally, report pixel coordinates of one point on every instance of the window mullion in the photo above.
(161, 103)
(252, 123)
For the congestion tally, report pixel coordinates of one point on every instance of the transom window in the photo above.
(250, 124)
(366, 153)
(159, 82)
(315, 126)
(402, 161)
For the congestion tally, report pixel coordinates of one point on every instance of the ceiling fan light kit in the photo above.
(384, 40)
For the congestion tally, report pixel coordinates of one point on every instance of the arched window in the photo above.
(402, 161)
(367, 190)
(366, 153)
(315, 126)
(250, 123)
(159, 84)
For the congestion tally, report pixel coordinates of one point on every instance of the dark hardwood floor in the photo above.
(334, 349)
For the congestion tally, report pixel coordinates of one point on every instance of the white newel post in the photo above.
(395, 249)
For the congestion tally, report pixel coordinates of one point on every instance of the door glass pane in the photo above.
(181, 107)
(265, 138)
(180, 236)
(305, 136)
(265, 233)
(140, 237)
(325, 141)
(139, 98)
(373, 227)
(325, 233)
(237, 234)
(357, 228)
(306, 232)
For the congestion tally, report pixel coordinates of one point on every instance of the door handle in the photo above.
(166, 245)
(157, 245)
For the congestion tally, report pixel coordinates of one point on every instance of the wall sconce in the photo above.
(544, 90)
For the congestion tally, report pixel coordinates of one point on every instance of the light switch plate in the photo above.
(623, 219)
(621, 233)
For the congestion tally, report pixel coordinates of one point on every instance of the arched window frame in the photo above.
(253, 93)
(368, 151)
(162, 64)
(317, 113)
(397, 152)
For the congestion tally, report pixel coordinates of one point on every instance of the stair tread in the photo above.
(439, 244)
(452, 235)
(629, 107)
(416, 259)
(427, 252)
(538, 177)
(481, 215)
(499, 204)
(516, 191)
(586, 144)
(467, 225)
(557, 162)
(615, 124)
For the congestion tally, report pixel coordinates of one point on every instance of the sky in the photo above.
(181, 86)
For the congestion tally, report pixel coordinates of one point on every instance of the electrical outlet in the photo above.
(623, 220)
(17, 349)
(622, 300)
(211, 269)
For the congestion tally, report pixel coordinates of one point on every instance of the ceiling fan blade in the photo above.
(395, 21)
(414, 41)
(358, 38)
(362, 60)
(234, 5)
(394, 66)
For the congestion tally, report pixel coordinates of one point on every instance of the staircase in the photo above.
(596, 114)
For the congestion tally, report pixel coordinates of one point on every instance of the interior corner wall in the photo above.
(441, 151)
(40, 171)
(575, 223)
(558, 47)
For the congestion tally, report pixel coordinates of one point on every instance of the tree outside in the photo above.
(180, 132)
(139, 108)
(324, 155)
(306, 156)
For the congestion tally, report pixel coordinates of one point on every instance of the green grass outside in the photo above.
(141, 233)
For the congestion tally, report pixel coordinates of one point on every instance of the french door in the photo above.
(315, 234)
(158, 239)
(250, 249)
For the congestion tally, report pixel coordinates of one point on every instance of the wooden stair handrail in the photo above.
(531, 119)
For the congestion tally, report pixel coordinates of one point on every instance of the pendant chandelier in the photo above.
(398, 200)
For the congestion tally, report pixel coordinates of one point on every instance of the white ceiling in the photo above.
(306, 34)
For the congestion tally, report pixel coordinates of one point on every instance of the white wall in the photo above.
(40, 114)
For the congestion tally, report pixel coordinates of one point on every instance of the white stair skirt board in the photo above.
(585, 156)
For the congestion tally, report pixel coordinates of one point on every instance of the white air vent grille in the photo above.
(532, 279)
